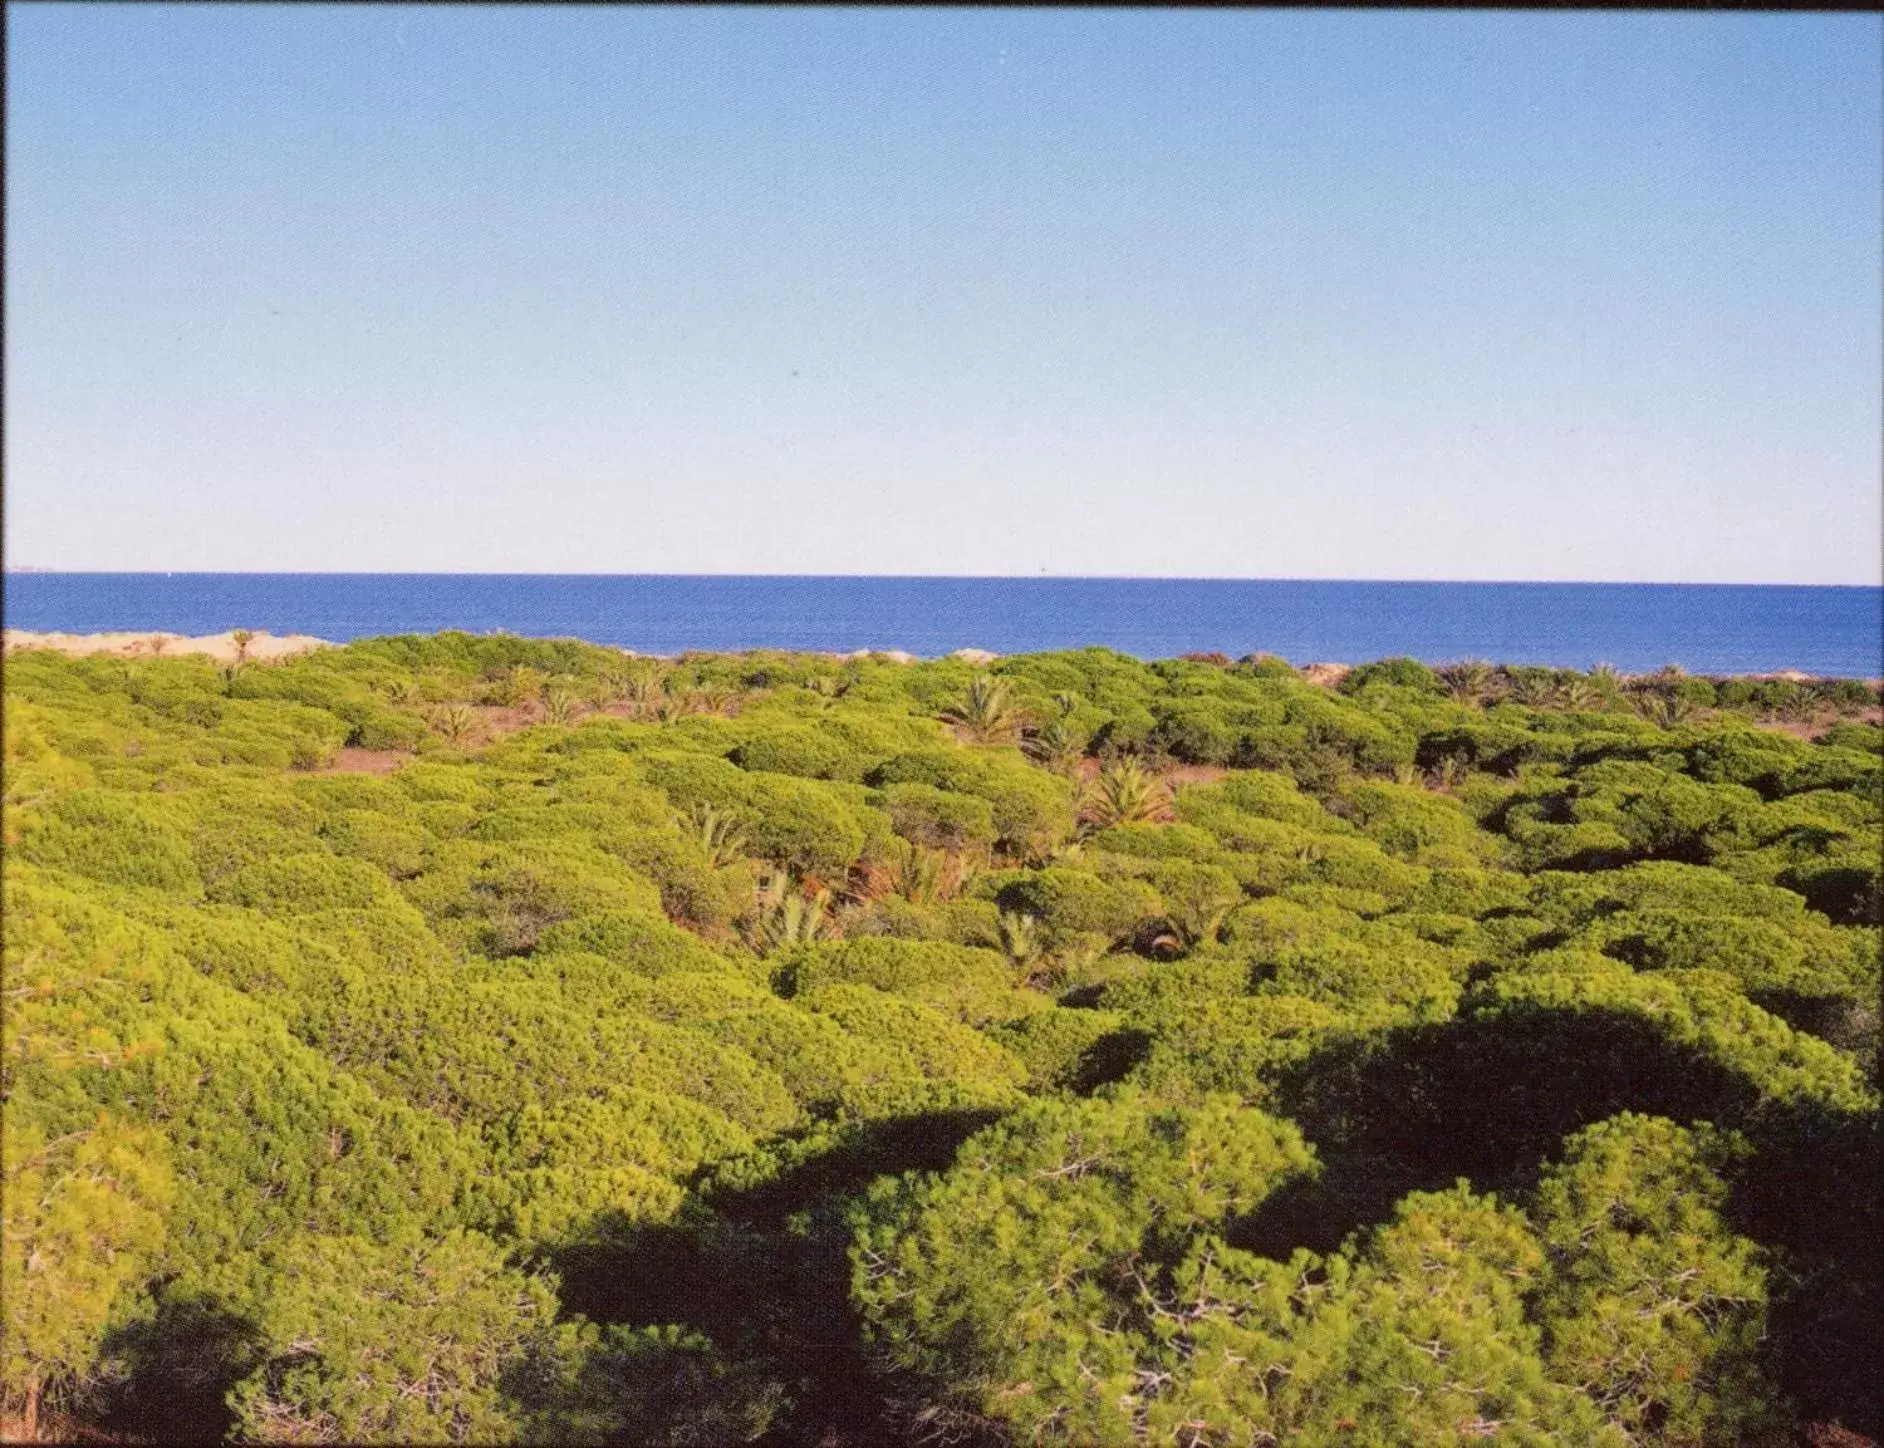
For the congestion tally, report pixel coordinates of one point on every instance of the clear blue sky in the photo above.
(1271, 294)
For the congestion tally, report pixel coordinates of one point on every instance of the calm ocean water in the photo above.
(1704, 628)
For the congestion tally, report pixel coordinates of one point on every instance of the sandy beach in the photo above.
(221, 647)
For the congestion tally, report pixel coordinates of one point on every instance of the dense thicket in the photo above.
(478, 1039)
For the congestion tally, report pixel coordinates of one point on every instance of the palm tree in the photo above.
(1198, 921)
(1606, 680)
(718, 832)
(1126, 793)
(453, 723)
(1806, 703)
(1057, 744)
(1662, 707)
(988, 715)
(784, 914)
(1533, 688)
(641, 685)
(917, 877)
(1468, 680)
(1580, 694)
(559, 705)
(400, 691)
(158, 643)
(242, 638)
(608, 687)
(924, 876)
(519, 685)
(1060, 852)
(1020, 942)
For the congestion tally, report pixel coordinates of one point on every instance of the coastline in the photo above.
(262, 646)
(1708, 631)
(223, 648)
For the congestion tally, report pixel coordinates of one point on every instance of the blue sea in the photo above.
(1637, 627)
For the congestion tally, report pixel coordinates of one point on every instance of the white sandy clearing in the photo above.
(221, 647)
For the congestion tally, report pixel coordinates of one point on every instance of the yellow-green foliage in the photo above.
(975, 986)
(780, 1043)
(926, 1041)
(365, 1343)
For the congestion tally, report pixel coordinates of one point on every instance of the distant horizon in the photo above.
(1705, 628)
(24, 568)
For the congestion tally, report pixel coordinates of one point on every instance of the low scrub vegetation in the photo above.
(1068, 1050)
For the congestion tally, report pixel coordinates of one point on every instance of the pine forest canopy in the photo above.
(480, 1039)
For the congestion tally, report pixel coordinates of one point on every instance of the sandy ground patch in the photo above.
(1194, 774)
(1176, 776)
(221, 647)
(1809, 731)
(367, 761)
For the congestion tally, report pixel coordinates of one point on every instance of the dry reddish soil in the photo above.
(504, 718)
(1176, 775)
(367, 761)
(1808, 732)
(1194, 774)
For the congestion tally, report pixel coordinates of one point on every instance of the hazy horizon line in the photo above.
(30, 569)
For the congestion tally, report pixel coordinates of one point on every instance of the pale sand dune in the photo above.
(220, 647)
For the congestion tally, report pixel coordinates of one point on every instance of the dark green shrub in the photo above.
(396, 846)
(1865, 738)
(1063, 1050)
(1414, 825)
(802, 750)
(995, 1297)
(297, 884)
(939, 819)
(643, 943)
(1156, 842)
(388, 731)
(1652, 1303)
(105, 836)
(924, 1040)
(1233, 1046)
(1071, 905)
(693, 889)
(1031, 808)
(1400, 673)
(351, 1325)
